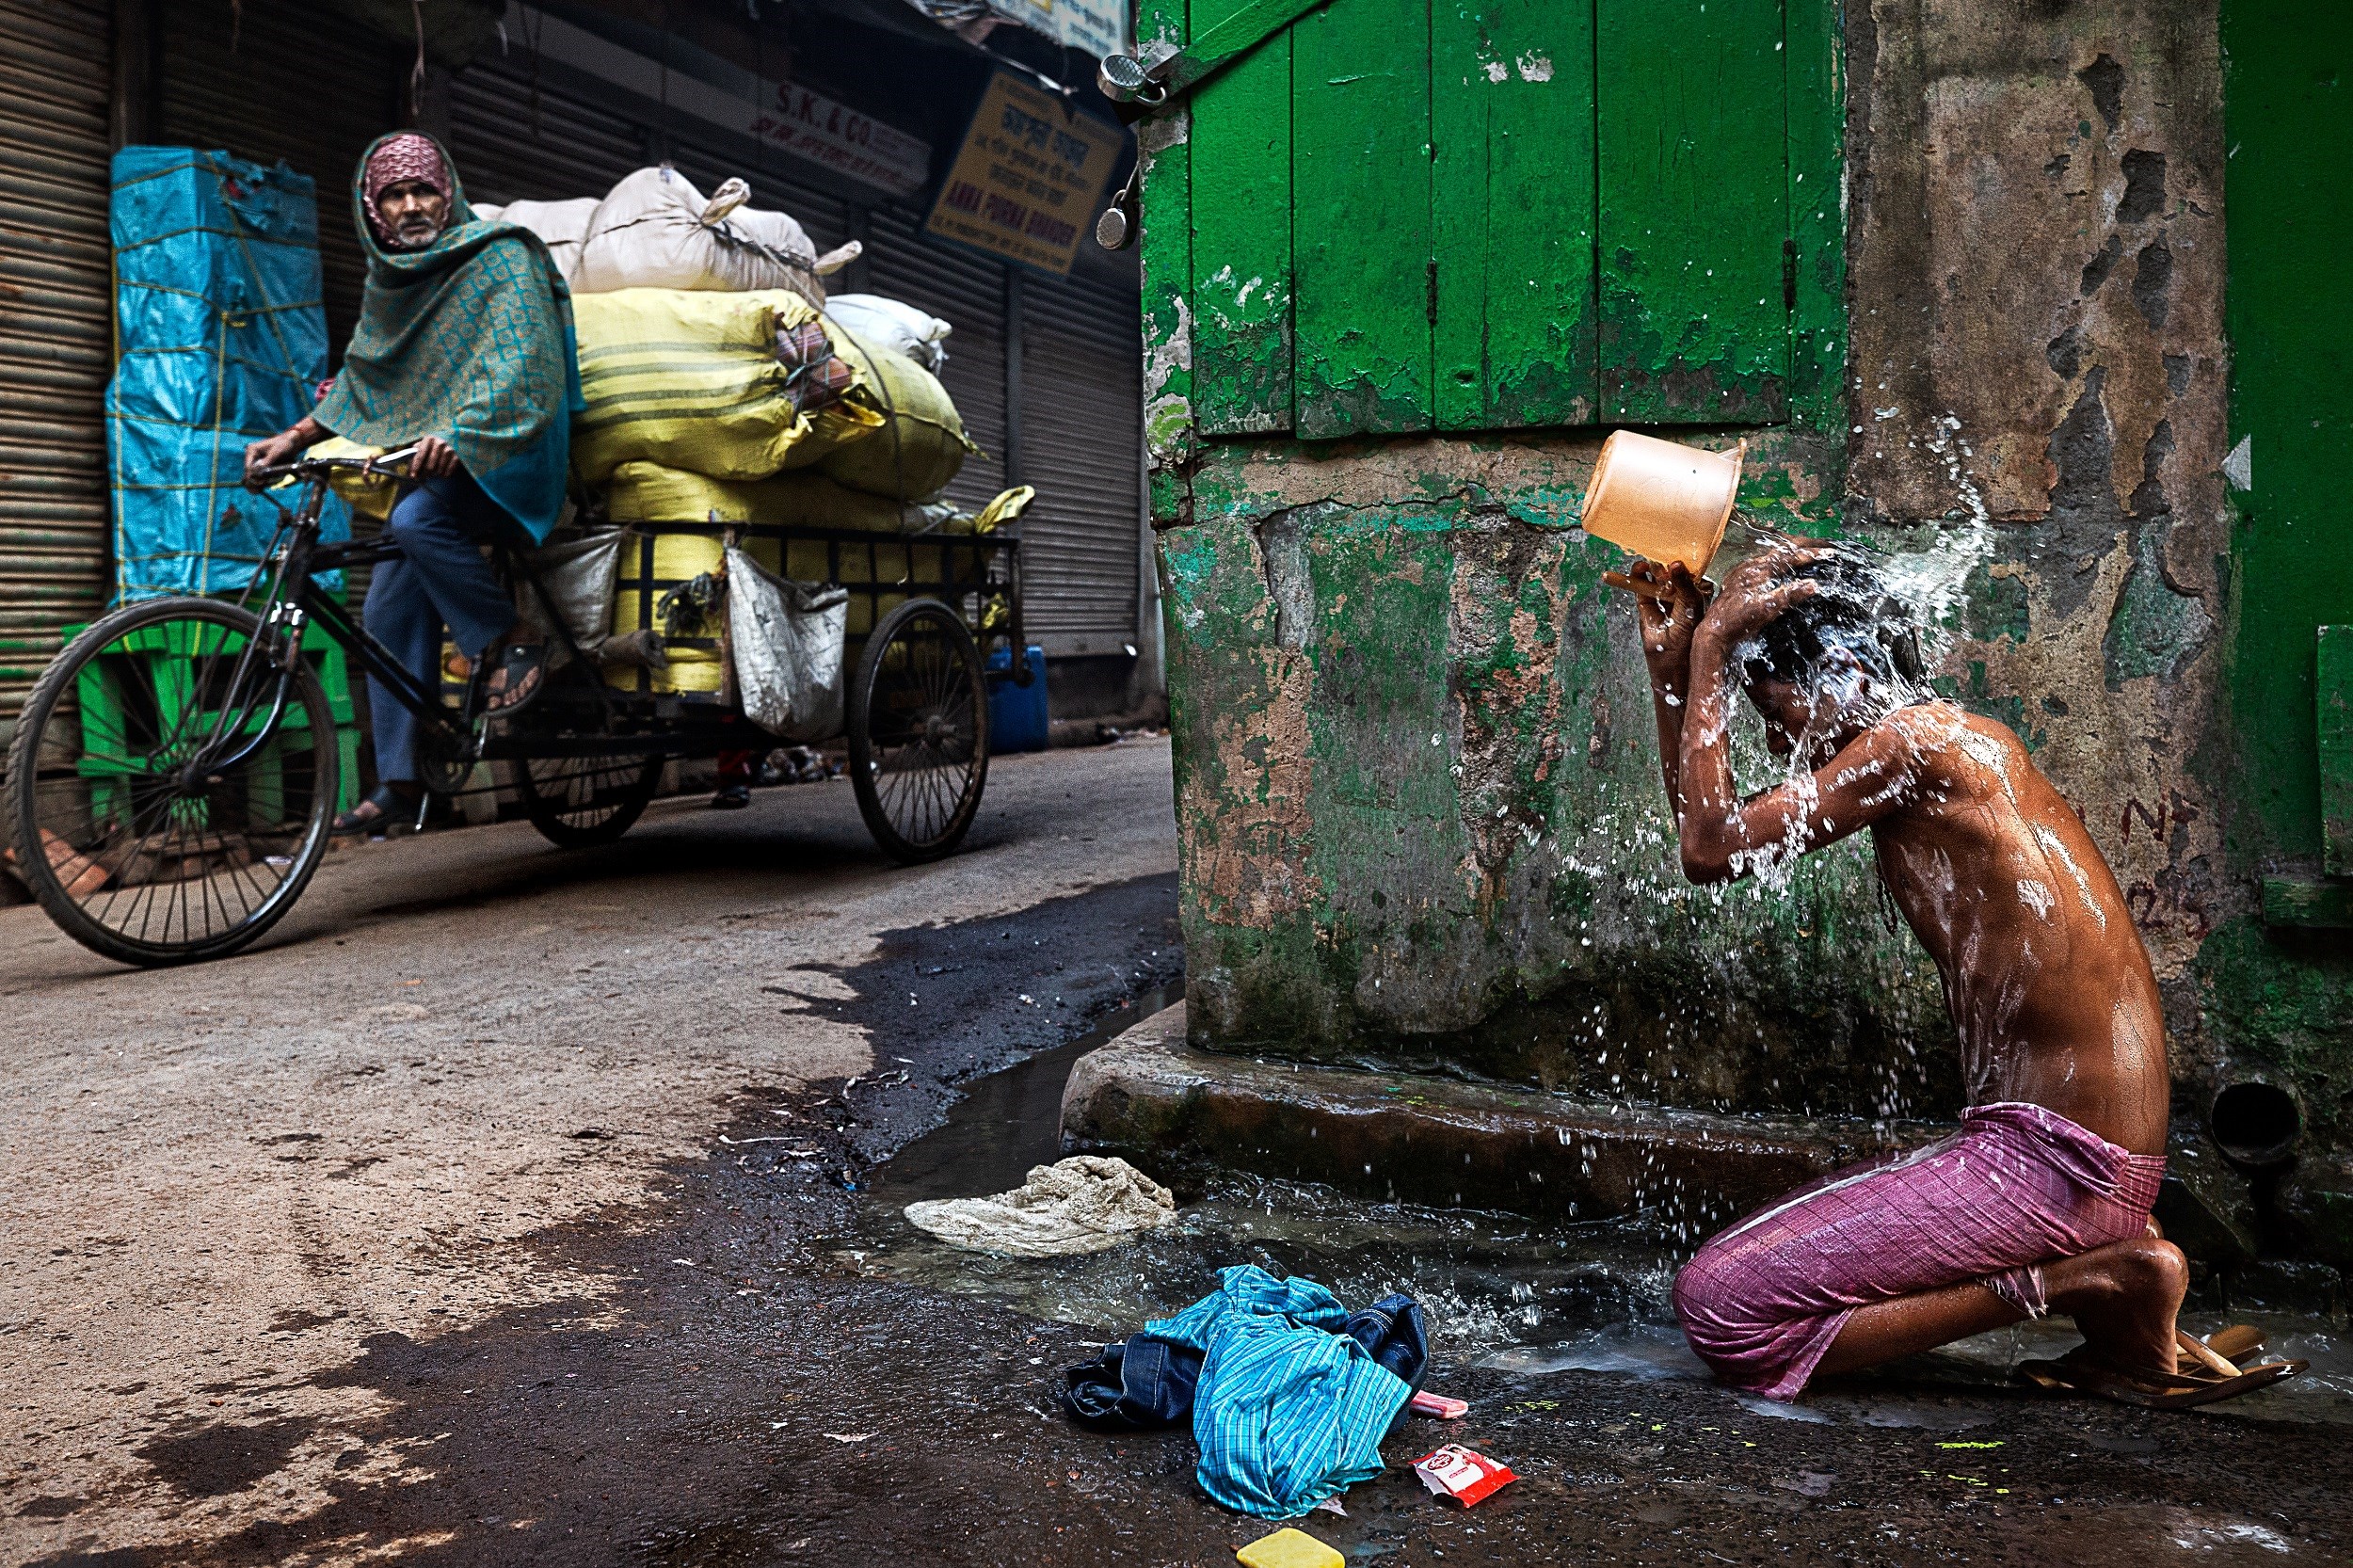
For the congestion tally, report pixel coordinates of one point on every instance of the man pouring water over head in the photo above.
(2040, 1203)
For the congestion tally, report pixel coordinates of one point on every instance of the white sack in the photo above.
(655, 230)
(881, 322)
(785, 640)
(563, 224)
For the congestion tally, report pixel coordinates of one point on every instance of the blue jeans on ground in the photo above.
(440, 578)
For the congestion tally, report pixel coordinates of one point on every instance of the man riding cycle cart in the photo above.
(174, 776)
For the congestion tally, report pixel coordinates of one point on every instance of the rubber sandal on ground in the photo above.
(522, 671)
(2235, 1343)
(2200, 1376)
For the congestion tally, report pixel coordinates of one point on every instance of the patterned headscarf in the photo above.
(407, 156)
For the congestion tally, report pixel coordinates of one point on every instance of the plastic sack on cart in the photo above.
(647, 492)
(654, 230)
(894, 325)
(563, 224)
(578, 576)
(785, 639)
(691, 381)
(921, 444)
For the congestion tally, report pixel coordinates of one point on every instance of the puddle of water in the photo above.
(1007, 1122)
(1502, 1292)
(2141, 1533)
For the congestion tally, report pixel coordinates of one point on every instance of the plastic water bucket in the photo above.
(1661, 498)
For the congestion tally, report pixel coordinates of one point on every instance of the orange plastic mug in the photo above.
(1661, 498)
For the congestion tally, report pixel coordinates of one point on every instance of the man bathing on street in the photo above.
(2040, 1203)
(464, 349)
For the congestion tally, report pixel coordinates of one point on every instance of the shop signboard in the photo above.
(1028, 179)
(794, 119)
(1097, 26)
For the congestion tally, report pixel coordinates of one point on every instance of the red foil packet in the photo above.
(1454, 1471)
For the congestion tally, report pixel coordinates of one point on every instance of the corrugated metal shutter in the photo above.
(1083, 447)
(301, 83)
(969, 293)
(515, 144)
(55, 328)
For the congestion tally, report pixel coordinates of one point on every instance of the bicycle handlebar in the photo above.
(309, 468)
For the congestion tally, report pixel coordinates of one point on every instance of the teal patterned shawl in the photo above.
(471, 340)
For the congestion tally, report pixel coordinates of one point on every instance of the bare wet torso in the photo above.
(2044, 974)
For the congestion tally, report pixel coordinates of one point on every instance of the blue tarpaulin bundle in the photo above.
(221, 340)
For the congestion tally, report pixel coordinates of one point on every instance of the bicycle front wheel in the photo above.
(169, 796)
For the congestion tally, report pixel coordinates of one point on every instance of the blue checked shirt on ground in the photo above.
(1289, 1410)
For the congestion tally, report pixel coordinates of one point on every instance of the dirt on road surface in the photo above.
(228, 1187)
(506, 1209)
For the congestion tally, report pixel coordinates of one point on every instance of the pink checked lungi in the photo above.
(2016, 1186)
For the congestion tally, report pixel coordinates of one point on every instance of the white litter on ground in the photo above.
(1084, 1203)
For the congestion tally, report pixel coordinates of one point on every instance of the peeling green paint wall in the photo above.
(1419, 804)
(2279, 1002)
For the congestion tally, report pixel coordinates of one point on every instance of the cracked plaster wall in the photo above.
(2036, 254)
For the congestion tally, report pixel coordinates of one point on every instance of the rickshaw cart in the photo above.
(174, 776)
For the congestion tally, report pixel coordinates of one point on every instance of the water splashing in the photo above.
(1934, 580)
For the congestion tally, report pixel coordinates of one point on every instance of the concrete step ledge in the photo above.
(1182, 1114)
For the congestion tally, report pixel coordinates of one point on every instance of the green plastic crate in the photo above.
(98, 694)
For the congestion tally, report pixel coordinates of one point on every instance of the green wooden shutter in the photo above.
(1513, 113)
(1493, 215)
(2333, 712)
(1694, 212)
(1241, 303)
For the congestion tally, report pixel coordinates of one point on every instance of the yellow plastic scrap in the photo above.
(1290, 1548)
(1006, 507)
(371, 495)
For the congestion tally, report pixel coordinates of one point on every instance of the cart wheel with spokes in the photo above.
(169, 789)
(579, 802)
(919, 730)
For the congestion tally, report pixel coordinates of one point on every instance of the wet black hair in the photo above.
(1853, 610)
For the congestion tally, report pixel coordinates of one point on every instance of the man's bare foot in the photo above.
(2123, 1297)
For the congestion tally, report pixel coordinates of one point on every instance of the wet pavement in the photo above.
(735, 1352)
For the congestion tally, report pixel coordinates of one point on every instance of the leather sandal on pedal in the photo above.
(393, 806)
(519, 673)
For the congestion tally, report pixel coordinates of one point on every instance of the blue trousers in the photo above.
(439, 579)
